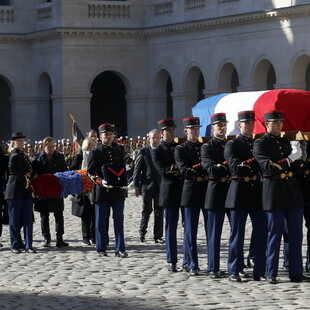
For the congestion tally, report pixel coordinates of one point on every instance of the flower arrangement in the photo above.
(46, 186)
(87, 182)
(62, 184)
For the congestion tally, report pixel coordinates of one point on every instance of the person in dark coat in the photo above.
(50, 161)
(4, 161)
(146, 180)
(106, 167)
(282, 198)
(170, 188)
(18, 195)
(243, 199)
(188, 160)
(212, 156)
(82, 206)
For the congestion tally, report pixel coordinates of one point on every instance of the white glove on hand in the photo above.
(303, 146)
(296, 151)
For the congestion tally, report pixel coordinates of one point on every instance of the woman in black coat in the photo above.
(19, 196)
(81, 204)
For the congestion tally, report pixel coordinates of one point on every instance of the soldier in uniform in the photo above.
(146, 180)
(170, 188)
(4, 159)
(243, 199)
(106, 167)
(188, 160)
(282, 198)
(212, 155)
(19, 196)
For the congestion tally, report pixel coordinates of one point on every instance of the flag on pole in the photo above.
(77, 135)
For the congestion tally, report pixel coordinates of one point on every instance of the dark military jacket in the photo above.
(245, 190)
(212, 156)
(171, 180)
(302, 171)
(280, 187)
(97, 158)
(19, 166)
(41, 165)
(188, 160)
(145, 176)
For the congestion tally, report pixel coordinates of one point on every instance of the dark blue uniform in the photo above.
(243, 199)
(105, 198)
(283, 202)
(212, 155)
(19, 199)
(169, 195)
(188, 160)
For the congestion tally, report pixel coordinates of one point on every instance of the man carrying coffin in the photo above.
(243, 199)
(282, 198)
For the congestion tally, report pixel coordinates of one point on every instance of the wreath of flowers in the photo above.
(62, 184)
(47, 186)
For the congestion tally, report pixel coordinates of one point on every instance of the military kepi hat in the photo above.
(275, 115)
(191, 122)
(165, 123)
(106, 127)
(244, 116)
(218, 117)
(17, 135)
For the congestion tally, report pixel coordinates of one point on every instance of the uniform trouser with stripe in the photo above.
(21, 216)
(102, 214)
(171, 219)
(238, 219)
(191, 219)
(276, 222)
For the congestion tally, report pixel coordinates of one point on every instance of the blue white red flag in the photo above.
(77, 135)
(295, 105)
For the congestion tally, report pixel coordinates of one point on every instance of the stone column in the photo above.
(137, 115)
(182, 108)
(78, 104)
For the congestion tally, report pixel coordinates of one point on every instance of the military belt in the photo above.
(247, 179)
(281, 176)
(200, 179)
(221, 180)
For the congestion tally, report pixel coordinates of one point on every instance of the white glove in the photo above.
(296, 151)
(303, 146)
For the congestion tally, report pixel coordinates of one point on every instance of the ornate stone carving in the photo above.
(163, 8)
(194, 4)
(6, 15)
(102, 10)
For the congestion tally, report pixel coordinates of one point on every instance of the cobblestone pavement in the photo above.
(77, 278)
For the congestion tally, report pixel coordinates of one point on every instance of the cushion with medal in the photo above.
(115, 175)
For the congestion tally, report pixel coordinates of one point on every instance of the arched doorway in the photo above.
(5, 110)
(169, 99)
(264, 76)
(228, 79)
(301, 73)
(45, 106)
(307, 79)
(108, 102)
(162, 101)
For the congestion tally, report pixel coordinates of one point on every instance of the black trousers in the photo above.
(59, 223)
(151, 197)
(88, 220)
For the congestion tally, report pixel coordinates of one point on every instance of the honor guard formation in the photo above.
(263, 181)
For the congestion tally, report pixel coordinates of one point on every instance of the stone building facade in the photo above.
(133, 62)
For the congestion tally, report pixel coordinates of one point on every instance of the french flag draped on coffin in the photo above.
(295, 105)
